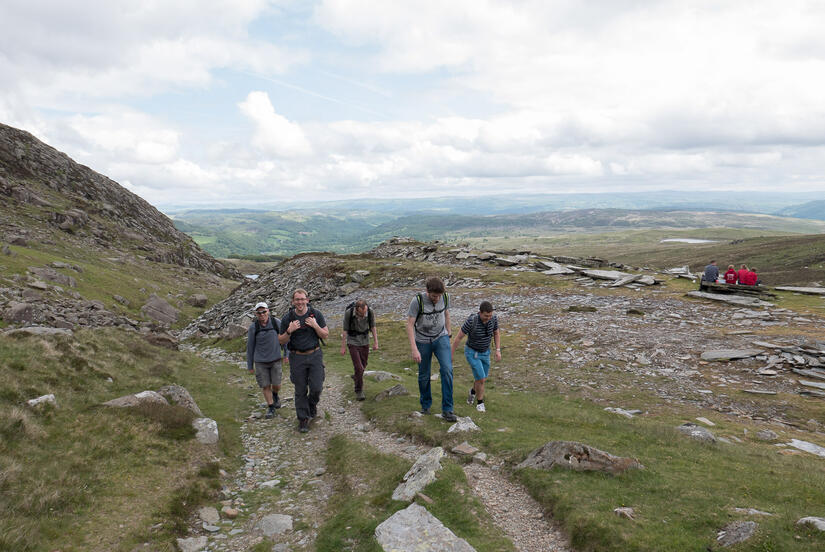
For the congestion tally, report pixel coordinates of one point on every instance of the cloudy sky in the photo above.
(248, 102)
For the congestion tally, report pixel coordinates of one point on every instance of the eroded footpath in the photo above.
(282, 490)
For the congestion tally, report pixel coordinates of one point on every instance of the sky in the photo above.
(260, 102)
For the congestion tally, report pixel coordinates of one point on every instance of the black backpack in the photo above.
(351, 310)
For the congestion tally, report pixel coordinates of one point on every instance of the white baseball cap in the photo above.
(261, 305)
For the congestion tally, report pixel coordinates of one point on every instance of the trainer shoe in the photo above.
(360, 395)
(471, 397)
(481, 408)
(449, 416)
(303, 426)
(425, 411)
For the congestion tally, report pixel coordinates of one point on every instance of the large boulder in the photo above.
(19, 313)
(131, 401)
(162, 340)
(197, 300)
(178, 395)
(414, 529)
(158, 309)
(578, 457)
(206, 431)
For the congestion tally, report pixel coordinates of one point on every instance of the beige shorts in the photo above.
(268, 373)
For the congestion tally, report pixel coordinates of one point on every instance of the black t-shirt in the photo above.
(304, 338)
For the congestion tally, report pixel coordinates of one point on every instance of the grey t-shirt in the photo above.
(431, 325)
(358, 328)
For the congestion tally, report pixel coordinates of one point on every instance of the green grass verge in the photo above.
(684, 496)
(86, 477)
(364, 482)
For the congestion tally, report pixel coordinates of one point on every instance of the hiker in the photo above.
(741, 275)
(730, 275)
(303, 328)
(359, 321)
(428, 329)
(711, 273)
(750, 278)
(480, 329)
(264, 352)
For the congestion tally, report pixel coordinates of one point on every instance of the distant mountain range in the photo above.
(810, 210)
(740, 201)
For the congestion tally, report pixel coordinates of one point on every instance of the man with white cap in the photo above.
(264, 352)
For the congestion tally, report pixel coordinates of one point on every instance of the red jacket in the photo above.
(749, 279)
(740, 275)
(730, 276)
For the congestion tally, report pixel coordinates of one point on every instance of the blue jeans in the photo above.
(441, 349)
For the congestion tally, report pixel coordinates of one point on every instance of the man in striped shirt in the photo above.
(480, 329)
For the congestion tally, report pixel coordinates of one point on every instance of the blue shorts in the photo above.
(479, 362)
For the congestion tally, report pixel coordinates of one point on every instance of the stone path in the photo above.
(285, 473)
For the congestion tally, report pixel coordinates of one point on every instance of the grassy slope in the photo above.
(86, 477)
(684, 496)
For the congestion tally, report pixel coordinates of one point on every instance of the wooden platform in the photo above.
(758, 291)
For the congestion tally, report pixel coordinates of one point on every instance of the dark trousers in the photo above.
(306, 372)
(360, 354)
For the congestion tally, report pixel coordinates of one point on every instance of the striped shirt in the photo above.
(478, 333)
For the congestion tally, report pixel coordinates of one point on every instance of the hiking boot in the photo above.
(303, 426)
(277, 403)
(313, 413)
(270, 412)
(449, 416)
(481, 408)
(359, 395)
(425, 411)
(471, 397)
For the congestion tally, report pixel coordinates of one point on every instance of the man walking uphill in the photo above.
(428, 329)
(359, 321)
(302, 329)
(264, 352)
(480, 329)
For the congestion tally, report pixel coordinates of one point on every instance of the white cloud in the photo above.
(127, 136)
(274, 134)
(537, 95)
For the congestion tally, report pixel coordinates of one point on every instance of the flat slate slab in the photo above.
(805, 290)
(730, 354)
(414, 529)
(732, 299)
(605, 274)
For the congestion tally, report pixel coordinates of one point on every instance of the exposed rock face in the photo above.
(322, 275)
(578, 457)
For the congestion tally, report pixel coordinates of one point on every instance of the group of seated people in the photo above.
(743, 276)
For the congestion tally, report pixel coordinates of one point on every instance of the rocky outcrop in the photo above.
(577, 457)
(323, 275)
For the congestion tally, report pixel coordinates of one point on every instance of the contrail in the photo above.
(316, 94)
